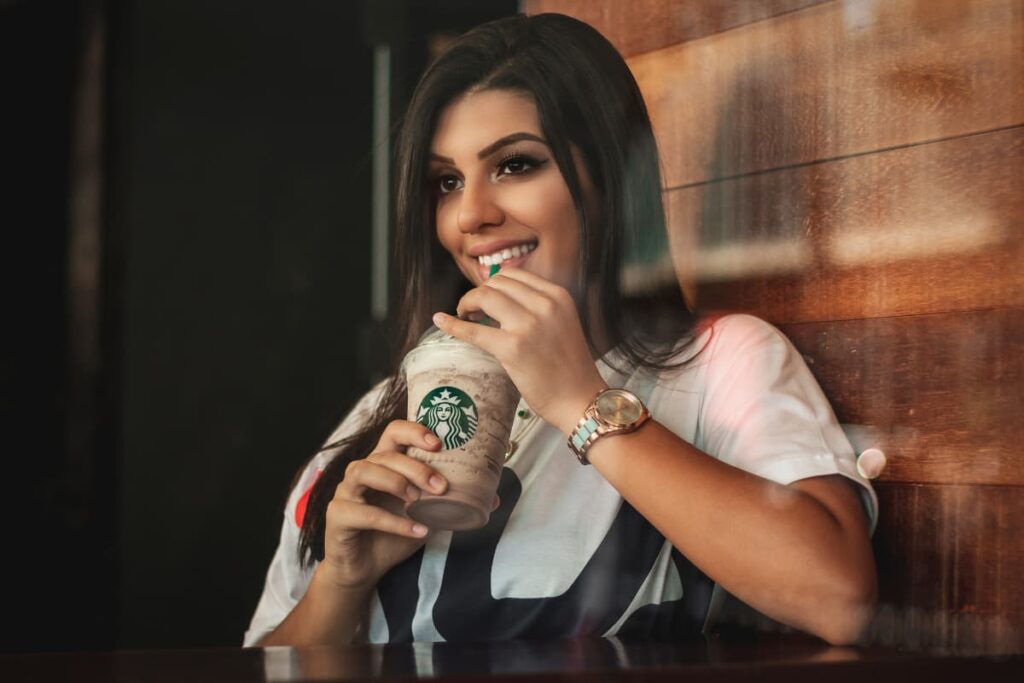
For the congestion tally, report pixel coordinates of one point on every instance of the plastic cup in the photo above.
(464, 395)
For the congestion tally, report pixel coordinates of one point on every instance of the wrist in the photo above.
(577, 406)
(329, 613)
(612, 412)
(326, 578)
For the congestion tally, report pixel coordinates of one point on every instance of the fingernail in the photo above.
(419, 529)
(431, 439)
(436, 482)
(412, 493)
(439, 319)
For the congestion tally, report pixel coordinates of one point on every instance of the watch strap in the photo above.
(586, 428)
(585, 434)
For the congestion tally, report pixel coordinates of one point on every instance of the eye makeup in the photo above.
(529, 160)
(438, 179)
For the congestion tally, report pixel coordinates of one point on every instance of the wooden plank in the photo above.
(644, 25)
(947, 559)
(923, 229)
(948, 563)
(833, 80)
(939, 394)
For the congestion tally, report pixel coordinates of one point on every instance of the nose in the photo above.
(477, 208)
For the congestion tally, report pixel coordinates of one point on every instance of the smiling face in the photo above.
(444, 412)
(500, 195)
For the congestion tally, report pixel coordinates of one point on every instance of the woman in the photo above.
(527, 143)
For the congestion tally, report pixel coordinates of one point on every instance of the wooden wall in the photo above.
(851, 170)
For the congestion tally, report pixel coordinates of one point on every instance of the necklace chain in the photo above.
(529, 417)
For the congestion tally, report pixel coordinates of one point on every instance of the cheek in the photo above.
(561, 223)
(451, 237)
(446, 229)
(548, 209)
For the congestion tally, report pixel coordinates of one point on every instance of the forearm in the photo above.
(773, 546)
(326, 615)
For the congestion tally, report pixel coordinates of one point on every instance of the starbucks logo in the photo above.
(450, 414)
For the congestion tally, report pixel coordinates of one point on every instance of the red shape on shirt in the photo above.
(300, 507)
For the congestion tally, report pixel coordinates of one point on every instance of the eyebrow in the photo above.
(496, 145)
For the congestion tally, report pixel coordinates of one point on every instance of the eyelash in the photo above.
(532, 163)
(522, 158)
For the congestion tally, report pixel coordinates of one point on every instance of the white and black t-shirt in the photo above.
(564, 555)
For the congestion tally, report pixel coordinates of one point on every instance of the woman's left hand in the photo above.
(540, 343)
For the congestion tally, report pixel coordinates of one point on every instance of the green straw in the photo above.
(495, 267)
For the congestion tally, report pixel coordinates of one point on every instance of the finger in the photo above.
(547, 287)
(364, 474)
(474, 316)
(487, 338)
(417, 473)
(495, 303)
(345, 515)
(401, 433)
(537, 302)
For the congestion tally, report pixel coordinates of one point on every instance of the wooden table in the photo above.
(789, 658)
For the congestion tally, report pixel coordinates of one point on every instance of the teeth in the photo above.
(505, 254)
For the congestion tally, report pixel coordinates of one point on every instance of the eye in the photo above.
(447, 183)
(518, 164)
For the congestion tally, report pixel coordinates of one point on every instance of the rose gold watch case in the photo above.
(616, 411)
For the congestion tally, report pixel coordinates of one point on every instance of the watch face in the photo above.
(619, 407)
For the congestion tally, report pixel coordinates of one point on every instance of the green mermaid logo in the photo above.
(450, 414)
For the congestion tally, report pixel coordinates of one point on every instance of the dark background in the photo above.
(143, 493)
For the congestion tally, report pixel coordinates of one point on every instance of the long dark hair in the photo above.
(586, 97)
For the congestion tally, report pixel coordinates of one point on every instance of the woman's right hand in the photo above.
(367, 531)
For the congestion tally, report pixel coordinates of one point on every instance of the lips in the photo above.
(507, 255)
(499, 256)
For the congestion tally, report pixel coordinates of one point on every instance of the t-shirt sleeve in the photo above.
(765, 413)
(287, 579)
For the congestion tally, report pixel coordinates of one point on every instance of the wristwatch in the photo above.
(613, 411)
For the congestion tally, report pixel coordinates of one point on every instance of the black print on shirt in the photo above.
(465, 610)
(677, 618)
(399, 592)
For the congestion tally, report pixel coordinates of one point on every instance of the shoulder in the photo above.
(720, 338)
(748, 354)
(737, 338)
(732, 332)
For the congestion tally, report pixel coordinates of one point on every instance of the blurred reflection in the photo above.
(755, 224)
(739, 258)
(942, 632)
(428, 660)
(918, 238)
(858, 14)
(851, 171)
(323, 663)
